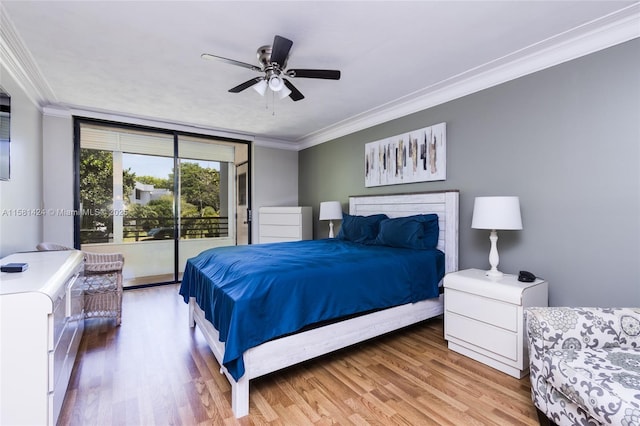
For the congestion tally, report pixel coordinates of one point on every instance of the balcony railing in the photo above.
(161, 228)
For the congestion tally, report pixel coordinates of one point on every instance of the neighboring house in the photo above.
(143, 193)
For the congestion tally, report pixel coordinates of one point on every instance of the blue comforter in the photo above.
(252, 294)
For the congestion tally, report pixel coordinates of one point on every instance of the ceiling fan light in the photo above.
(260, 87)
(284, 92)
(276, 83)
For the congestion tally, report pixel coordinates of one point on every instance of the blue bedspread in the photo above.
(252, 294)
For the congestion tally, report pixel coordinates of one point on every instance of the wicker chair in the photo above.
(102, 282)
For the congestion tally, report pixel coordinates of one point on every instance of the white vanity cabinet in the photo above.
(41, 325)
(278, 224)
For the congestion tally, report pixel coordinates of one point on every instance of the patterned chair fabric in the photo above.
(585, 364)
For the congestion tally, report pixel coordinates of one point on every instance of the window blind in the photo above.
(155, 144)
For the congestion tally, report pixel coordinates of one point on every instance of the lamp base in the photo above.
(330, 229)
(494, 259)
(494, 273)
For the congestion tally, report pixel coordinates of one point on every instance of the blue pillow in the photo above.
(414, 232)
(360, 229)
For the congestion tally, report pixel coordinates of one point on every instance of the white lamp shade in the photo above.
(496, 213)
(260, 87)
(284, 92)
(330, 210)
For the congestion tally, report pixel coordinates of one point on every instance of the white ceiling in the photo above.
(142, 59)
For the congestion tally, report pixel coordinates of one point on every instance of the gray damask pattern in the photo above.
(585, 364)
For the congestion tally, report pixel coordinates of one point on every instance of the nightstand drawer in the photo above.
(484, 336)
(480, 308)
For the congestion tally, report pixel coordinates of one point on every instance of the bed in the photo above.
(248, 343)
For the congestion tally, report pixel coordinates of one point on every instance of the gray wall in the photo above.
(57, 171)
(275, 181)
(566, 140)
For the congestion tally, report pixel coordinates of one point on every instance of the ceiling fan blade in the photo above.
(246, 85)
(295, 93)
(230, 61)
(326, 74)
(280, 50)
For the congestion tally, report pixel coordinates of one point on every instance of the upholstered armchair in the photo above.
(102, 282)
(585, 365)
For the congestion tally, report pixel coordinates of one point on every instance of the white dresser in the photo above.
(279, 224)
(41, 321)
(484, 317)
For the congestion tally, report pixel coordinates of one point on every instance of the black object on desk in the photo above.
(526, 277)
(14, 267)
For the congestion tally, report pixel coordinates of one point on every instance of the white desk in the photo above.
(41, 325)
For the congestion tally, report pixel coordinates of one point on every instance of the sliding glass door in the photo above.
(206, 195)
(158, 197)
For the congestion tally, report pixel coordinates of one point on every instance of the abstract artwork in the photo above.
(417, 156)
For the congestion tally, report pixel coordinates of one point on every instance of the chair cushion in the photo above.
(605, 382)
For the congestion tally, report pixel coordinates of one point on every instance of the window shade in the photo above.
(155, 144)
(131, 142)
(192, 150)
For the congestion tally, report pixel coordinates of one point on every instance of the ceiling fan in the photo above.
(273, 63)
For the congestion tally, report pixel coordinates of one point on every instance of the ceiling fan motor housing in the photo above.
(264, 57)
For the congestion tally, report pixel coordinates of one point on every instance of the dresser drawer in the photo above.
(484, 336)
(490, 311)
(280, 219)
(279, 231)
(265, 240)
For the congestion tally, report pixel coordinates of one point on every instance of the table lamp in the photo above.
(330, 210)
(496, 213)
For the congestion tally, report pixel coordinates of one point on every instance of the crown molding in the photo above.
(150, 122)
(65, 111)
(19, 62)
(615, 28)
(275, 143)
(56, 111)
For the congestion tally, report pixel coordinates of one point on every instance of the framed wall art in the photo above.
(416, 156)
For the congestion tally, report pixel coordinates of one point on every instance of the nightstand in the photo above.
(484, 317)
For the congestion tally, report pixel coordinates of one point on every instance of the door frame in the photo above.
(78, 121)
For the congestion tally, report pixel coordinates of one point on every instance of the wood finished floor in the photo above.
(155, 370)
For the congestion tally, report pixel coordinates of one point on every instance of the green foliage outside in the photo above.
(199, 201)
(96, 189)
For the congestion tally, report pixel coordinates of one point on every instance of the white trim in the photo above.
(170, 125)
(56, 111)
(275, 143)
(618, 27)
(157, 123)
(19, 62)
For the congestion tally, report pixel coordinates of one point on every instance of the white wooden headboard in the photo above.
(444, 204)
